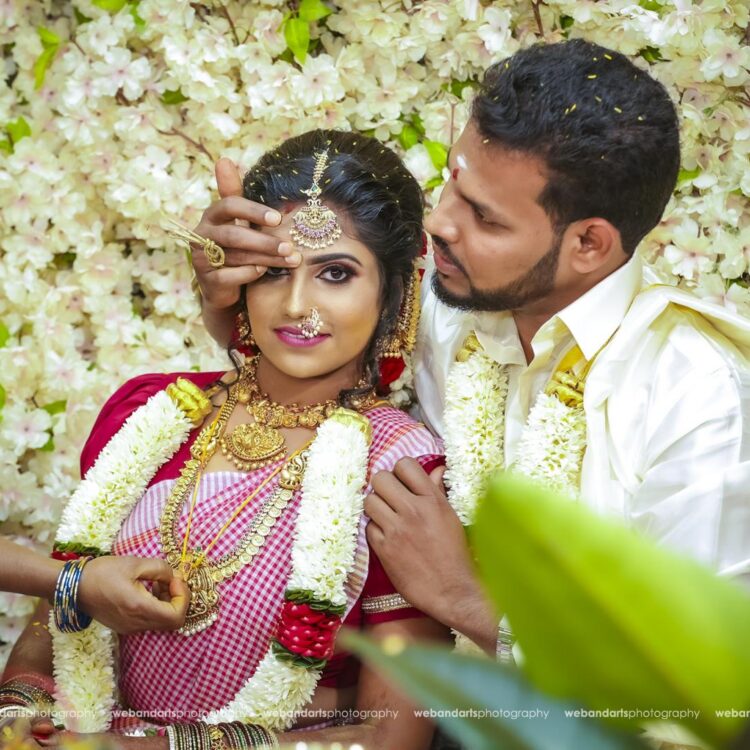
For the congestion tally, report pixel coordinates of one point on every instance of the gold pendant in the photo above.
(203, 609)
(250, 446)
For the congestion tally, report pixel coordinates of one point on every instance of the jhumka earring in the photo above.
(244, 331)
(315, 225)
(311, 325)
(404, 337)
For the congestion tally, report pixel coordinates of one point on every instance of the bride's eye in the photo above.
(336, 274)
(275, 273)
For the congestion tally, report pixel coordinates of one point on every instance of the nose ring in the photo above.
(311, 325)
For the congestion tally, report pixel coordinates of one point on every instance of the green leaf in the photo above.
(48, 38)
(56, 407)
(606, 617)
(438, 154)
(457, 87)
(481, 704)
(686, 175)
(650, 5)
(417, 122)
(651, 55)
(313, 10)
(112, 6)
(80, 18)
(4, 334)
(81, 549)
(49, 446)
(173, 96)
(2, 396)
(6, 145)
(434, 182)
(140, 24)
(297, 36)
(50, 44)
(64, 261)
(18, 129)
(41, 65)
(286, 56)
(408, 137)
(566, 22)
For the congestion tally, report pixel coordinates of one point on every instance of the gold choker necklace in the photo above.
(252, 446)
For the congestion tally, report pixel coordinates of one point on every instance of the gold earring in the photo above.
(244, 331)
(404, 337)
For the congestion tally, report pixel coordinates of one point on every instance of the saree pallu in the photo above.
(168, 677)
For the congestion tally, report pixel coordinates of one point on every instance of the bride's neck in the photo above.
(286, 389)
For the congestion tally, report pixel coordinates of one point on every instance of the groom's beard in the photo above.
(537, 283)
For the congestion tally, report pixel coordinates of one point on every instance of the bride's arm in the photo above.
(394, 724)
(32, 653)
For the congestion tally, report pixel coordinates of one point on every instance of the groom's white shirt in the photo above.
(667, 404)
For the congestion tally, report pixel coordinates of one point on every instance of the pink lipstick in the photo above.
(293, 337)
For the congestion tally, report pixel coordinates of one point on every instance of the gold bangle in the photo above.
(217, 738)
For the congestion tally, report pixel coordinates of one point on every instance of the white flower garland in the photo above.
(552, 444)
(475, 397)
(550, 451)
(121, 473)
(83, 666)
(551, 447)
(332, 499)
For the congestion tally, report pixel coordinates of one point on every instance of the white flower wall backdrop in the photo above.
(112, 113)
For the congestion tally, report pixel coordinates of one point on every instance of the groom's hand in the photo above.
(248, 250)
(418, 537)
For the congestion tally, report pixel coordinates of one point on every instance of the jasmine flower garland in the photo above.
(551, 447)
(552, 443)
(82, 662)
(475, 397)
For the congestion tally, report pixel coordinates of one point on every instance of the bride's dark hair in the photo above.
(378, 195)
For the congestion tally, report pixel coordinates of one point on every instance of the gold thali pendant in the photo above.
(251, 446)
(203, 609)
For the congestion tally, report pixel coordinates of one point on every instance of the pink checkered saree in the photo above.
(168, 677)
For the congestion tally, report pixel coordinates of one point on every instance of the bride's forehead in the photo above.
(346, 243)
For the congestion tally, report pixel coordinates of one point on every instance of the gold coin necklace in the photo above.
(252, 446)
(202, 575)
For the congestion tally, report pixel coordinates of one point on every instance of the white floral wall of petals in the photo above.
(112, 113)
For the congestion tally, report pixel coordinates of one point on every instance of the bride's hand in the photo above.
(112, 591)
(248, 251)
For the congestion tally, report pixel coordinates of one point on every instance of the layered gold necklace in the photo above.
(202, 575)
(259, 443)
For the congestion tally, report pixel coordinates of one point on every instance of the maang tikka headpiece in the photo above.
(315, 225)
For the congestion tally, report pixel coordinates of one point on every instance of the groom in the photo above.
(569, 158)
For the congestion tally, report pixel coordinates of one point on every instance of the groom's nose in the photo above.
(441, 221)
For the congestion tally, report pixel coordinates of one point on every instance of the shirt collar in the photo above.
(596, 315)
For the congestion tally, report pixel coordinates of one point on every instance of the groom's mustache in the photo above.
(446, 252)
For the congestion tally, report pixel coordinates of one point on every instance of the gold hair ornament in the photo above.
(315, 226)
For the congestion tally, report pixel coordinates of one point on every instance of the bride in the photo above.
(250, 483)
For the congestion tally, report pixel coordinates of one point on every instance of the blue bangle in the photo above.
(68, 617)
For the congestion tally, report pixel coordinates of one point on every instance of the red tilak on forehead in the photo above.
(454, 173)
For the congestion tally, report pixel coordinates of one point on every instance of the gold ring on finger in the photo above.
(213, 252)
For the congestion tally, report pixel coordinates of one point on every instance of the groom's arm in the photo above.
(422, 545)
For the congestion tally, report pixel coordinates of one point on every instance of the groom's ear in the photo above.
(228, 178)
(593, 243)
